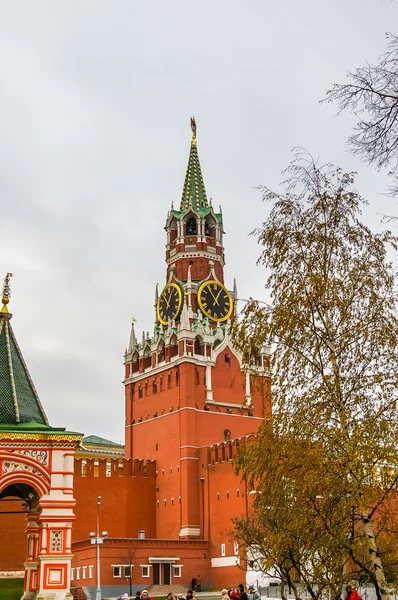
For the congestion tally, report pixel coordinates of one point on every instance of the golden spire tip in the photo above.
(6, 293)
(193, 128)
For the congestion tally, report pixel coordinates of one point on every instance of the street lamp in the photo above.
(98, 539)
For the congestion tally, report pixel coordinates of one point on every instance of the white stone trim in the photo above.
(225, 561)
(191, 531)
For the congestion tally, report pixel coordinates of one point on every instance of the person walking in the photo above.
(198, 587)
(224, 594)
(242, 593)
(351, 594)
(190, 595)
(253, 593)
(234, 594)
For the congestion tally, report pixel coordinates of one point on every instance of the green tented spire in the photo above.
(19, 402)
(194, 192)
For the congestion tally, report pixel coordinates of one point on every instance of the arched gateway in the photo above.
(36, 467)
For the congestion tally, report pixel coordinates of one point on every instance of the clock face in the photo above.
(215, 301)
(169, 303)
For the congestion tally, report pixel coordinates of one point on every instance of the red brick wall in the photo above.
(13, 543)
(128, 499)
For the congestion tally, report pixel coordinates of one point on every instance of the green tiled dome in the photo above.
(19, 402)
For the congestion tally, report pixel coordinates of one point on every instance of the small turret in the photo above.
(133, 339)
(235, 294)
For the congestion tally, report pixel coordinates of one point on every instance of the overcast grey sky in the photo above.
(95, 104)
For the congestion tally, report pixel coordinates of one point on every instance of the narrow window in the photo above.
(90, 572)
(117, 571)
(96, 470)
(222, 549)
(77, 572)
(140, 392)
(227, 435)
(145, 570)
(127, 571)
(108, 468)
(84, 569)
(177, 377)
(84, 468)
(177, 570)
(191, 226)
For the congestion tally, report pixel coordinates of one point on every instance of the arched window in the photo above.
(207, 229)
(191, 226)
(227, 435)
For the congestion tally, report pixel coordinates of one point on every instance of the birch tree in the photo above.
(371, 94)
(329, 459)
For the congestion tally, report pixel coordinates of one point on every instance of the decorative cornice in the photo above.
(67, 437)
(195, 254)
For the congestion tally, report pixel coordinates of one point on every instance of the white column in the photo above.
(209, 391)
(247, 391)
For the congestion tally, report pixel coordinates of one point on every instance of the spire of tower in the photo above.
(156, 303)
(194, 192)
(235, 299)
(19, 401)
(133, 339)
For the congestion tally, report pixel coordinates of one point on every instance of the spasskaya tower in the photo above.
(186, 386)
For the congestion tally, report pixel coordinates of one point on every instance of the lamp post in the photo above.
(98, 539)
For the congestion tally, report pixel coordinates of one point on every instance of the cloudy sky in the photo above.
(95, 103)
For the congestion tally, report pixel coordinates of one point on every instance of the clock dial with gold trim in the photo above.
(169, 303)
(215, 301)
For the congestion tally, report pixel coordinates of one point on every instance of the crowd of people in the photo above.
(237, 593)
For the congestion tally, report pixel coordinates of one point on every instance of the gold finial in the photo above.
(133, 321)
(6, 293)
(193, 128)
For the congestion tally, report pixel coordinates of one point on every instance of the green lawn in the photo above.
(11, 589)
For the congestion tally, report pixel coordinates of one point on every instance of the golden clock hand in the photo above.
(218, 295)
(214, 298)
(168, 303)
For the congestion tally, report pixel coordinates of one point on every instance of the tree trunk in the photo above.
(375, 558)
(283, 597)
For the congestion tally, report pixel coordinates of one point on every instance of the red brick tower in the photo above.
(186, 387)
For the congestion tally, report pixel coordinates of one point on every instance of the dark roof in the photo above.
(19, 401)
(99, 441)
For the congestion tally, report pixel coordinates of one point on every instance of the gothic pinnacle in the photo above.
(133, 339)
